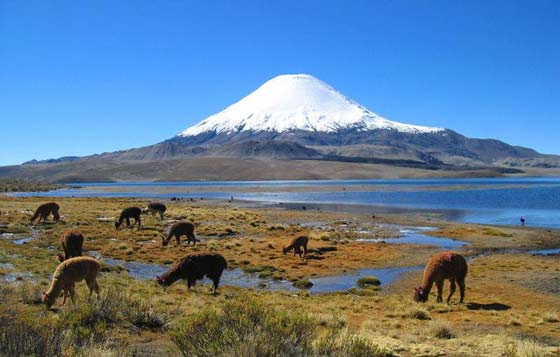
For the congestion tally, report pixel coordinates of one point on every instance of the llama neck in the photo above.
(170, 276)
(427, 284)
(54, 290)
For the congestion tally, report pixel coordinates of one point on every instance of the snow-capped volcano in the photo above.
(295, 127)
(297, 102)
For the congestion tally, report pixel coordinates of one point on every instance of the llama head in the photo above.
(164, 242)
(45, 299)
(420, 295)
(117, 225)
(285, 250)
(161, 281)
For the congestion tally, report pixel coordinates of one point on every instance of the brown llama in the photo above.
(127, 214)
(44, 210)
(441, 266)
(194, 267)
(71, 242)
(67, 274)
(180, 229)
(296, 244)
(155, 208)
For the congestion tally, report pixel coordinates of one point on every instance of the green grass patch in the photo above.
(368, 281)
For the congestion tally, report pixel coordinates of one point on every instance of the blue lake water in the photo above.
(415, 236)
(487, 200)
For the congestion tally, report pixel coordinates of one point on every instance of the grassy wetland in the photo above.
(512, 304)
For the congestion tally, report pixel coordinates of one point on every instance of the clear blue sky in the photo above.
(82, 77)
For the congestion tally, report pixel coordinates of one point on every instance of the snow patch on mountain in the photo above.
(297, 102)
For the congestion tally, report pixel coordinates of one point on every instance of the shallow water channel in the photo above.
(20, 238)
(237, 277)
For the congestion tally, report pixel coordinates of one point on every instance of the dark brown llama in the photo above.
(194, 267)
(127, 214)
(44, 210)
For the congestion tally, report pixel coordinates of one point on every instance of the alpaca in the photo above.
(155, 208)
(194, 267)
(441, 266)
(44, 210)
(296, 244)
(180, 229)
(71, 242)
(127, 214)
(67, 274)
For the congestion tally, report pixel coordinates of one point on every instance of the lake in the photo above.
(478, 200)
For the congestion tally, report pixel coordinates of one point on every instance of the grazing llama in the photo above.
(297, 244)
(67, 274)
(127, 214)
(180, 229)
(194, 267)
(441, 266)
(44, 210)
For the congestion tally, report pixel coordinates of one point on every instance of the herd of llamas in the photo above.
(74, 267)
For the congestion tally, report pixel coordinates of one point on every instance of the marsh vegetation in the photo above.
(511, 307)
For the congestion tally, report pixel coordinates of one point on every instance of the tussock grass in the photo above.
(550, 317)
(526, 347)
(338, 344)
(495, 232)
(514, 322)
(419, 313)
(441, 330)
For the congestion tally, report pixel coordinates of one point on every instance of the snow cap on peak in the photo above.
(297, 102)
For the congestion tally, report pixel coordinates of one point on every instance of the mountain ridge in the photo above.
(302, 119)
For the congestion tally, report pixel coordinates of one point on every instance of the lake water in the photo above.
(489, 200)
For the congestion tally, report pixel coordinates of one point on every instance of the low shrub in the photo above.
(30, 336)
(244, 328)
(29, 293)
